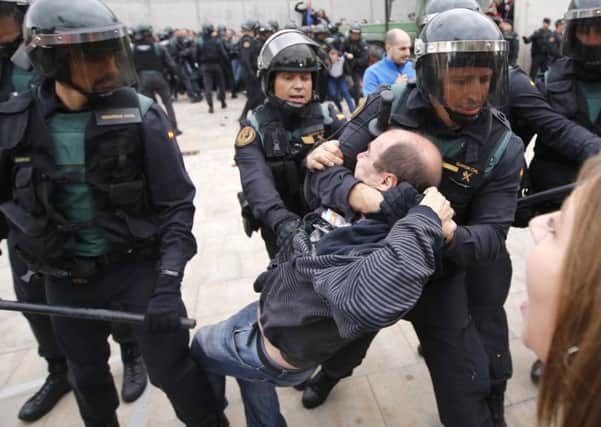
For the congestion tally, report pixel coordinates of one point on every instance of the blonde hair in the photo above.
(571, 384)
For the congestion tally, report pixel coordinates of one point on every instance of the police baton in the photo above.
(84, 313)
(545, 196)
(380, 124)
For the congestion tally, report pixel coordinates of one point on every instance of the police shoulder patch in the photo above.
(245, 136)
(359, 108)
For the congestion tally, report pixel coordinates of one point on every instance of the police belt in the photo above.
(81, 268)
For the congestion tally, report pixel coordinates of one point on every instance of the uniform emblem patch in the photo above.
(246, 135)
(246, 45)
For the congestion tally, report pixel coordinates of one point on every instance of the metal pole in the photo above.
(386, 14)
(84, 313)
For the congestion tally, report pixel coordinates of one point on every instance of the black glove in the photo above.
(397, 202)
(525, 39)
(164, 308)
(285, 231)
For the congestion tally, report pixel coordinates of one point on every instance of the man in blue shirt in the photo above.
(395, 67)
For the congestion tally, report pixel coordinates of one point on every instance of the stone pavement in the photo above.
(392, 386)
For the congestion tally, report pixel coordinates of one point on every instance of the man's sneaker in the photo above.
(38, 405)
(536, 372)
(134, 379)
(317, 390)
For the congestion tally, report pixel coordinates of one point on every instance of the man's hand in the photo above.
(163, 311)
(324, 156)
(401, 79)
(397, 201)
(349, 56)
(441, 207)
(365, 199)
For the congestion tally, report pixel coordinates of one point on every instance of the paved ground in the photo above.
(391, 388)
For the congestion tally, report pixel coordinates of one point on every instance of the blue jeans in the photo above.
(230, 348)
(338, 89)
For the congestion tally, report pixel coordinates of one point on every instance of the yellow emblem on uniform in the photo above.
(552, 40)
(340, 116)
(246, 135)
(308, 139)
(359, 108)
(467, 176)
(532, 83)
(246, 44)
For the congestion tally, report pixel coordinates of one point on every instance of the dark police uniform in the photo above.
(249, 49)
(151, 61)
(270, 152)
(98, 197)
(211, 55)
(540, 51)
(358, 64)
(556, 163)
(481, 177)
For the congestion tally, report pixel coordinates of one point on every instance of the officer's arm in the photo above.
(171, 191)
(168, 61)
(332, 187)
(258, 184)
(363, 59)
(492, 211)
(554, 130)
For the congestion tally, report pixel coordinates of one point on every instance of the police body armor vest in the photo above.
(461, 177)
(209, 52)
(114, 172)
(286, 150)
(147, 57)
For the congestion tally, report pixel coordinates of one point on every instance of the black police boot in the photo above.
(178, 132)
(495, 402)
(38, 405)
(420, 350)
(211, 110)
(536, 372)
(317, 389)
(301, 386)
(219, 420)
(134, 373)
(223, 104)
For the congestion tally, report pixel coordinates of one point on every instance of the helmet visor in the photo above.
(463, 78)
(280, 41)
(93, 68)
(582, 40)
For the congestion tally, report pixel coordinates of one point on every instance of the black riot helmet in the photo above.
(438, 6)
(273, 25)
(462, 64)
(355, 28)
(12, 10)
(250, 25)
(290, 50)
(81, 44)
(208, 29)
(143, 33)
(582, 37)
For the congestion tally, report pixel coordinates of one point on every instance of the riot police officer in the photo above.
(17, 77)
(571, 87)
(151, 60)
(211, 55)
(357, 55)
(272, 145)
(94, 174)
(458, 86)
(249, 49)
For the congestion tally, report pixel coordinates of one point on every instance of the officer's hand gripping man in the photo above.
(272, 145)
(101, 205)
(461, 77)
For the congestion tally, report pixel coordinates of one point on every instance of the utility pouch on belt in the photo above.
(249, 221)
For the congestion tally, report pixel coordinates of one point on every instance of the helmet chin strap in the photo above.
(461, 119)
(286, 106)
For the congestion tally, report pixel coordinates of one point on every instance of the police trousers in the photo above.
(213, 74)
(153, 82)
(29, 288)
(125, 287)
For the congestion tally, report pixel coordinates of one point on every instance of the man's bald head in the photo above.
(398, 46)
(401, 156)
